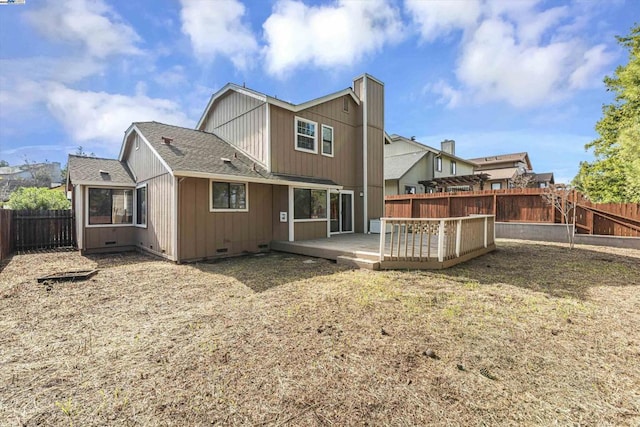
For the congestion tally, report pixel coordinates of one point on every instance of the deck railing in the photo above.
(442, 239)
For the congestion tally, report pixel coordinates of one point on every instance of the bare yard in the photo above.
(532, 334)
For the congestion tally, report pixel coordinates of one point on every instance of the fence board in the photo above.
(518, 205)
(6, 233)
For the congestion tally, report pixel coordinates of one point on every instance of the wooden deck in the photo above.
(410, 244)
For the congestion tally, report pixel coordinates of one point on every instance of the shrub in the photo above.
(35, 198)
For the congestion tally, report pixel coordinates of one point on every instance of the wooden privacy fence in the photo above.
(34, 230)
(434, 243)
(519, 205)
(6, 233)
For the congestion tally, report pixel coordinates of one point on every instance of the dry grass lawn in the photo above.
(532, 334)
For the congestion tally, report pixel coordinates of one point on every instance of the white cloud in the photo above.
(447, 94)
(517, 53)
(216, 28)
(299, 36)
(102, 117)
(437, 18)
(90, 23)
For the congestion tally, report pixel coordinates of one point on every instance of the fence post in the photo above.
(486, 225)
(383, 230)
(458, 236)
(441, 241)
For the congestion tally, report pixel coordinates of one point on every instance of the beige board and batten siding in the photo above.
(280, 204)
(205, 234)
(310, 230)
(147, 168)
(241, 120)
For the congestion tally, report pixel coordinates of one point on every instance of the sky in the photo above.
(496, 76)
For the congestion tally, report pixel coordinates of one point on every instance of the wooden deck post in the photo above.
(486, 224)
(441, 241)
(458, 236)
(383, 230)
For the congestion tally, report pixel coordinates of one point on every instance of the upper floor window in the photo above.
(327, 140)
(306, 135)
(228, 196)
(110, 206)
(453, 167)
(345, 104)
(439, 164)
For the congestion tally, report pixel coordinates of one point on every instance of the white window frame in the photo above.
(453, 167)
(438, 164)
(106, 187)
(295, 135)
(333, 139)
(496, 183)
(246, 190)
(135, 205)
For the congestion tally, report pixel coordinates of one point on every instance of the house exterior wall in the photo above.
(416, 174)
(204, 234)
(157, 236)
(280, 204)
(310, 230)
(461, 168)
(391, 187)
(98, 239)
(241, 120)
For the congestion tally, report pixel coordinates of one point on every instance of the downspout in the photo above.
(365, 147)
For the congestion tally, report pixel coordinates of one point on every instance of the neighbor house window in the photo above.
(543, 185)
(496, 185)
(327, 140)
(141, 206)
(110, 206)
(309, 204)
(439, 164)
(453, 167)
(306, 135)
(409, 189)
(228, 196)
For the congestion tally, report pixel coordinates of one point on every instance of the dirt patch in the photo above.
(532, 334)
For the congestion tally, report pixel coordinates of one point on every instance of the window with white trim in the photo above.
(496, 185)
(228, 196)
(141, 206)
(306, 135)
(309, 204)
(110, 206)
(453, 167)
(327, 140)
(439, 164)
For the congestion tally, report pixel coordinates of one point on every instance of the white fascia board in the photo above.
(370, 77)
(148, 144)
(299, 107)
(124, 141)
(224, 90)
(234, 178)
(105, 184)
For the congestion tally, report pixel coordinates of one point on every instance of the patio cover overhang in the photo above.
(456, 180)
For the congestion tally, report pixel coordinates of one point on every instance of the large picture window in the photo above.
(110, 206)
(309, 204)
(327, 140)
(306, 135)
(141, 206)
(228, 196)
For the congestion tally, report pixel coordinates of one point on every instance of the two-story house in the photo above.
(411, 167)
(254, 170)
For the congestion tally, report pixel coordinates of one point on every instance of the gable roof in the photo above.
(502, 158)
(499, 173)
(204, 154)
(423, 147)
(395, 167)
(272, 100)
(544, 177)
(98, 171)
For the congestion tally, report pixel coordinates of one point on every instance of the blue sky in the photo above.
(496, 76)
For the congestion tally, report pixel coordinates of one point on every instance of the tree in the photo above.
(523, 180)
(614, 175)
(559, 197)
(38, 198)
(3, 163)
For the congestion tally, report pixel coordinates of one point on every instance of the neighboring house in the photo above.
(46, 174)
(255, 169)
(502, 169)
(411, 167)
(543, 180)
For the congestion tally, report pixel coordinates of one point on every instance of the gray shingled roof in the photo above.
(88, 169)
(198, 151)
(395, 167)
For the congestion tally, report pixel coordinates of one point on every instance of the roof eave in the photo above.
(257, 180)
